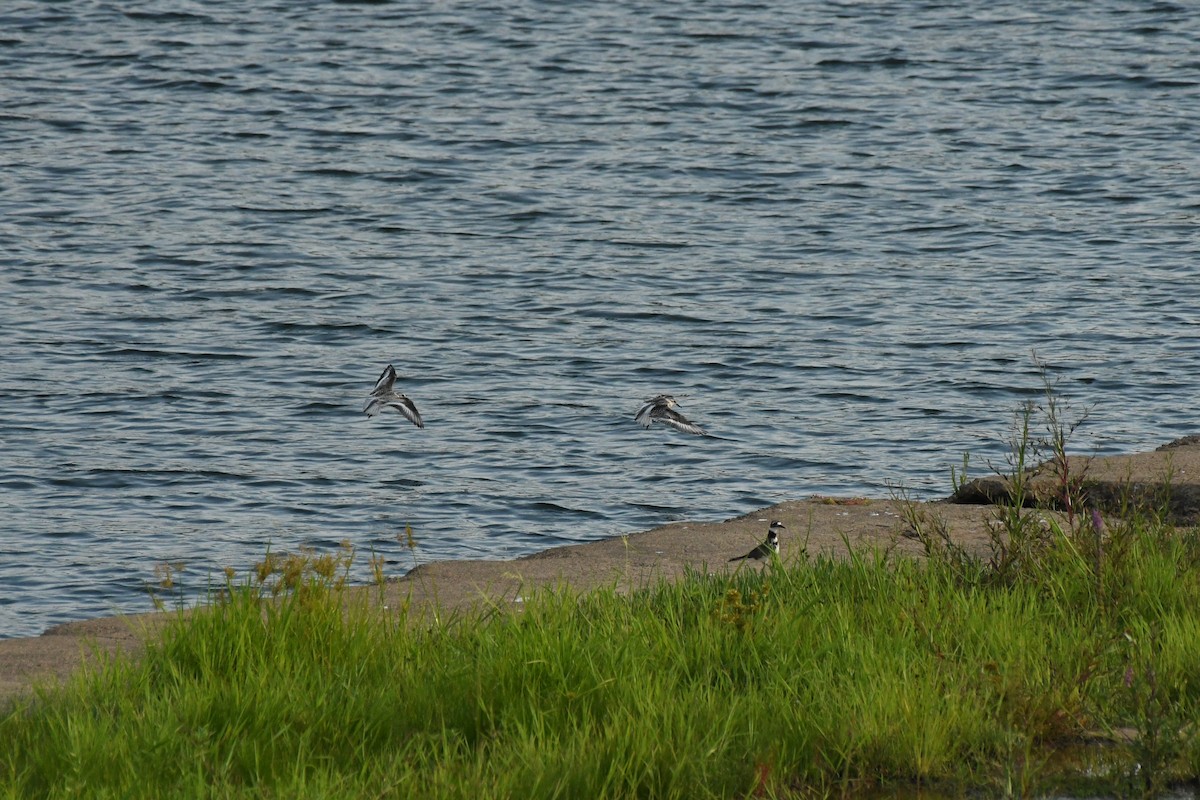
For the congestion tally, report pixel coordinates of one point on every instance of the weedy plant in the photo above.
(824, 677)
(1051, 536)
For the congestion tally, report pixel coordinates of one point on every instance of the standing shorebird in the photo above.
(767, 548)
(662, 409)
(384, 397)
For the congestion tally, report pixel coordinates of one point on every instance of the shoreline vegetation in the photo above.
(1045, 643)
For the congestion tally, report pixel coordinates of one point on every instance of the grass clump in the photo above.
(816, 678)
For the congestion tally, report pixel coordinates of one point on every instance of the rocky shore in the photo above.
(1168, 477)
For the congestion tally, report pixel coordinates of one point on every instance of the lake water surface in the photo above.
(839, 228)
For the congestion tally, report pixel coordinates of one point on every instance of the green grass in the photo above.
(821, 677)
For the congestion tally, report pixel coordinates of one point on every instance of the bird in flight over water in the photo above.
(771, 545)
(384, 397)
(662, 409)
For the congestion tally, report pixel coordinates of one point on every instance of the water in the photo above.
(839, 228)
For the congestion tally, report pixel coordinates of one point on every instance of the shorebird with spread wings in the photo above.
(663, 409)
(384, 397)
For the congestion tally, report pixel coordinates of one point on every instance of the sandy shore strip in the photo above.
(819, 525)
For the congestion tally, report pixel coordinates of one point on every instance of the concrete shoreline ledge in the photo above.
(1168, 477)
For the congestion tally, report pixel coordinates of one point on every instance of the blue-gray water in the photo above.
(840, 228)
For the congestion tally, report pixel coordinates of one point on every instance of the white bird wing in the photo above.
(408, 408)
(387, 379)
(680, 422)
(643, 415)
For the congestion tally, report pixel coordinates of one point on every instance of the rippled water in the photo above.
(839, 228)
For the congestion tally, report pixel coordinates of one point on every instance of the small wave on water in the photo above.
(840, 235)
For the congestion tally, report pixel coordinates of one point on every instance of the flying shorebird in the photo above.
(662, 409)
(770, 546)
(384, 397)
